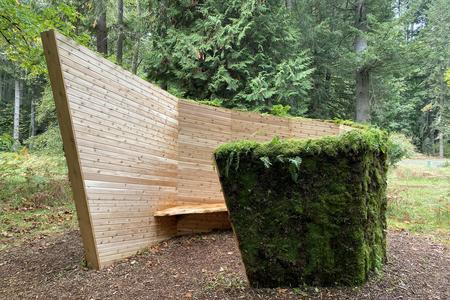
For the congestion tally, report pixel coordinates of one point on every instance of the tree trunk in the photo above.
(289, 4)
(362, 96)
(2, 84)
(16, 126)
(441, 145)
(102, 31)
(121, 37)
(135, 61)
(32, 118)
(138, 35)
(362, 75)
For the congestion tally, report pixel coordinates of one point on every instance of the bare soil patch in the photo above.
(205, 267)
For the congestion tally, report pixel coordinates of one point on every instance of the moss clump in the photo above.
(308, 211)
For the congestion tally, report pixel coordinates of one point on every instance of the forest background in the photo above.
(383, 62)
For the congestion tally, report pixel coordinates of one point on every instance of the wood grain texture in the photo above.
(191, 209)
(120, 132)
(135, 152)
(50, 43)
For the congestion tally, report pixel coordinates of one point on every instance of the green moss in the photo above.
(308, 211)
(350, 123)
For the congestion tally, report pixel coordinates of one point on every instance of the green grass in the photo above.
(35, 196)
(419, 201)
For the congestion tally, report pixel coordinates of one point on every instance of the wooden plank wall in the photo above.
(133, 148)
(125, 131)
(201, 130)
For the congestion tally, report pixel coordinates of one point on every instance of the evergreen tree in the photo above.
(245, 53)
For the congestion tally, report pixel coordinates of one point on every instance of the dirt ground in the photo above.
(205, 267)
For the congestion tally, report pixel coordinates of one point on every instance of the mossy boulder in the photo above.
(308, 211)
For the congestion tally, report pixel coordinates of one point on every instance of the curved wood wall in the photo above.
(133, 148)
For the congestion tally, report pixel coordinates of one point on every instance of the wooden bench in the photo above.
(188, 209)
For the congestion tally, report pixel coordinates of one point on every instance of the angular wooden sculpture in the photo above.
(133, 151)
(308, 212)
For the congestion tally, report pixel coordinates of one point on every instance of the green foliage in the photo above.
(265, 160)
(264, 56)
(308, 211)
(6, 120)
(21, 56)
(31, 180)
(21, 24)
(35, 196)
(212, 102)
(280, 110)
(351, 124)
(398, 107)
(49, 142)
(294, 167)
(244, 52)
(46, 111)
(399, 147)
(6, 142)
(411, 94)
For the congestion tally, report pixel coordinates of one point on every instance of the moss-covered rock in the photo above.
(308, 211)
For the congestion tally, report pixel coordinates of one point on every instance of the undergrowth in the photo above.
(35, 195)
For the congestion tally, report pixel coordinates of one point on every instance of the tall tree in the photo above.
(121, 36)
(140, 25)
(32, 117)
(434, 37)
(362, 76)
(101, 29)
(245, 53)
(21, 58)
(16, 127)
(2, 84)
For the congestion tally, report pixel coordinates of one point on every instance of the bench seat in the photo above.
(187, 209)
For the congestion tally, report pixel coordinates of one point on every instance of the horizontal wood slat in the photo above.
(126, 130)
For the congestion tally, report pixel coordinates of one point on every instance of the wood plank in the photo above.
(191, 209)
(69, 140)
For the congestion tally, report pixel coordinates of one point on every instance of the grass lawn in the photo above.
(419, 200)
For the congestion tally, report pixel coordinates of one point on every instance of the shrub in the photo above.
(49, 142)
(308, 211)
(280, 110)
(399, 147)
(32, 181)
(6, 142)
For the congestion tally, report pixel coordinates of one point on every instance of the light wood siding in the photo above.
(202, 129)
(133, 149)
(125, 130)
